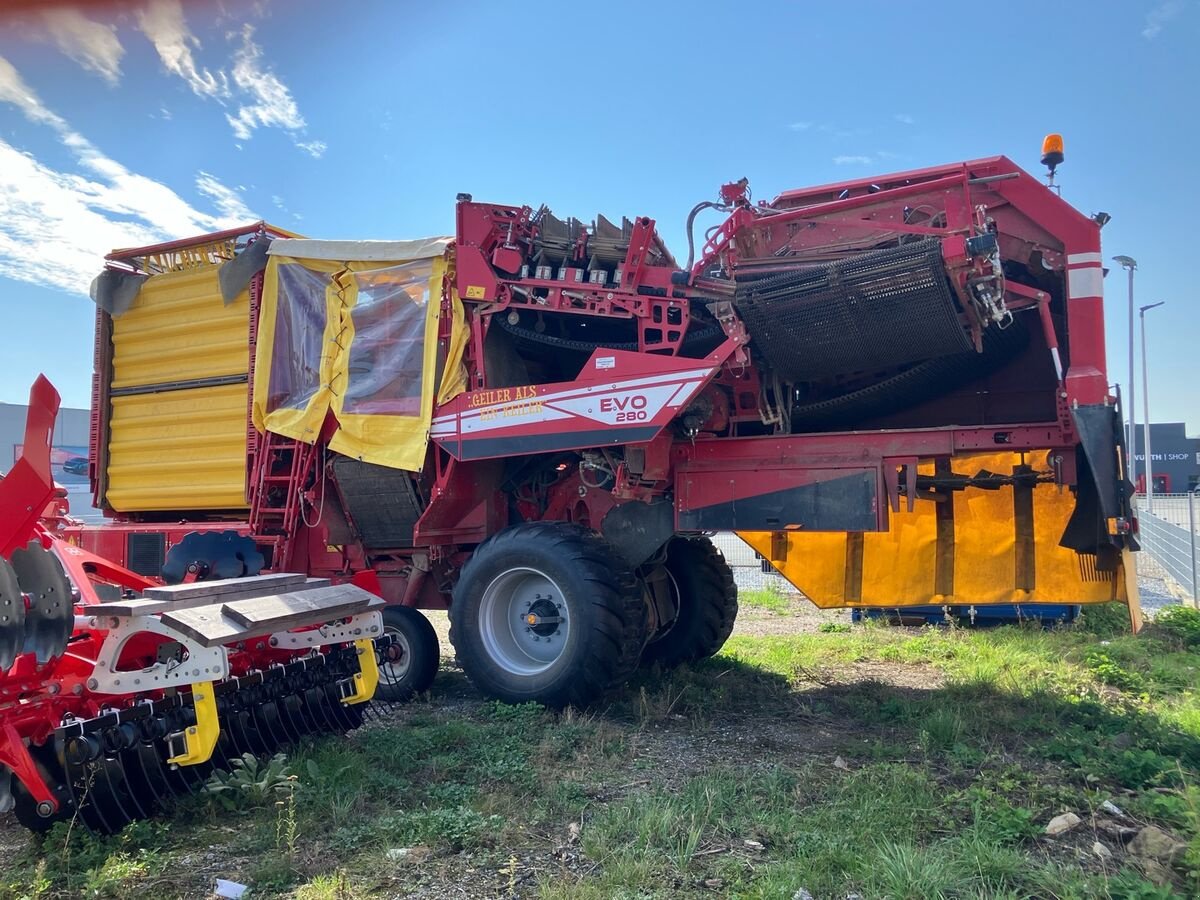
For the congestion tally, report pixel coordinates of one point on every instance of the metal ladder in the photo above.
(281, 468)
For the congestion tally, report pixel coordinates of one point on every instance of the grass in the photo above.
(770, 598)
(893, 763)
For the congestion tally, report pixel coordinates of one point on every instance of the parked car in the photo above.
(76, 465)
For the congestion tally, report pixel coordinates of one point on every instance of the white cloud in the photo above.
(272, 101)
(800, 126)
(163, 23)
(65, 222)
(315, 149)
(1159, 16)
(91, 44)
(904, 119)
(851, 160)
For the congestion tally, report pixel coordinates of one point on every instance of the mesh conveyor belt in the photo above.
(873, 311)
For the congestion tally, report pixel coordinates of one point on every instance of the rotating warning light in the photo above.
(1052, 151)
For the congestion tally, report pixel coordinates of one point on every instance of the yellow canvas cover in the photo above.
(979, 556)
(358, 339)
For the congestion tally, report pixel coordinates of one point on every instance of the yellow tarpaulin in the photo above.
(985, 552)
(357, 339)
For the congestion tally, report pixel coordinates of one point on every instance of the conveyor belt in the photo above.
(873, 311)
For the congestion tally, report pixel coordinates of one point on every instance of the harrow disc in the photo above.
(12, 616)
(210, 555)
(50, 618)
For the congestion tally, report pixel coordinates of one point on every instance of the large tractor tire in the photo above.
(411, 662)
(547, 612)
(706, 603)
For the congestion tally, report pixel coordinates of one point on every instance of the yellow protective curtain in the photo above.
(897, 566)
(358, 340)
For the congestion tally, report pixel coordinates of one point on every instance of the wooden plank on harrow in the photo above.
(146, 606)
(242, 620)
(253, 586)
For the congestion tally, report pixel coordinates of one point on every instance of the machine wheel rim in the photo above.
(511, 637)
(395, 671)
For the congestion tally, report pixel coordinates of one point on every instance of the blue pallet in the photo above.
(986, 614)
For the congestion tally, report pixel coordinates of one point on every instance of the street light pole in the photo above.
(1146, 410)
(1130, 264)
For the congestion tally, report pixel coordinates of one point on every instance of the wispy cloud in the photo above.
(852, 160)
(258, 96)
(91, 44)
(904, 119)
(1159, 16)
(270, 102)
(163, 23)
(68, 220)
(800, 126)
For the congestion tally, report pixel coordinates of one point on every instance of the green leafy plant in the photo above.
(251, 783)
(1181, 622)
(1110, 672)
(834, 627)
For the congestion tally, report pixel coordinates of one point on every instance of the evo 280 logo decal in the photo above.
(617, 403)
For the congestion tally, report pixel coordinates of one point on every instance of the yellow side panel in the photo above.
(179, 329)
(178, 450)
(899, 566)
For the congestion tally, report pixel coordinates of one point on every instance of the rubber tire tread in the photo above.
(608, 632)
(708, 604)
(424, 648)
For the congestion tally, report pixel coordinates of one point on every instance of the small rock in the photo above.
(1156, 872)
(1101, 851)
(1112, 809)
(1152, 843)
(802, 894)
(1062, 824)
(1116, 831)
(840, 763)
(1122, 741)
(751, 844)
(854, 896)
(232, 890)
(714, 884)
(573, 831)
(396, 854)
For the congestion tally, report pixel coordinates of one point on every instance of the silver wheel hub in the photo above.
(524, 621)
(397, 662)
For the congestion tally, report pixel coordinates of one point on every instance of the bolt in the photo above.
(54, 689)
(92, 684)
(78, 689)
(45, 809)
(192, 730)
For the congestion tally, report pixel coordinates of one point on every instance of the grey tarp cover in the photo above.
(114, 291)
(235, 274)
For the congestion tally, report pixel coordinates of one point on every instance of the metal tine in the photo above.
(12, 616)
(152, 774)
(273, 690)
(270, 723)
(107, 793)
(80, 781)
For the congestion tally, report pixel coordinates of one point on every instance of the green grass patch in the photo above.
(770, 598)
(953, 748)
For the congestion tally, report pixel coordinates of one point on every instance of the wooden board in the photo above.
(214, 624)
(254, 586)
(146, 606)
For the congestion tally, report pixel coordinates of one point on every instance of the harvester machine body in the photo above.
(894, 389)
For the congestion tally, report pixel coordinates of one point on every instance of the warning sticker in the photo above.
(606, 362)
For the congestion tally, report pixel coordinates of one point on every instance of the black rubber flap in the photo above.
(114, 291)
(234, 275)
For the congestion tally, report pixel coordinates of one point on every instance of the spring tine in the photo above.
(152, 773)
(314, 700)
(80, 782)
(12, 616)
(110, 794)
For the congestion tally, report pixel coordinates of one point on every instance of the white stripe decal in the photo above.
(584, 392)
(1086, 282)
(1075, 259)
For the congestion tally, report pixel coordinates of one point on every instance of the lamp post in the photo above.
(1130, 264)
(1146, 409)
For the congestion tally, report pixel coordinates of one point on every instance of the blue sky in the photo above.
(128, 123)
